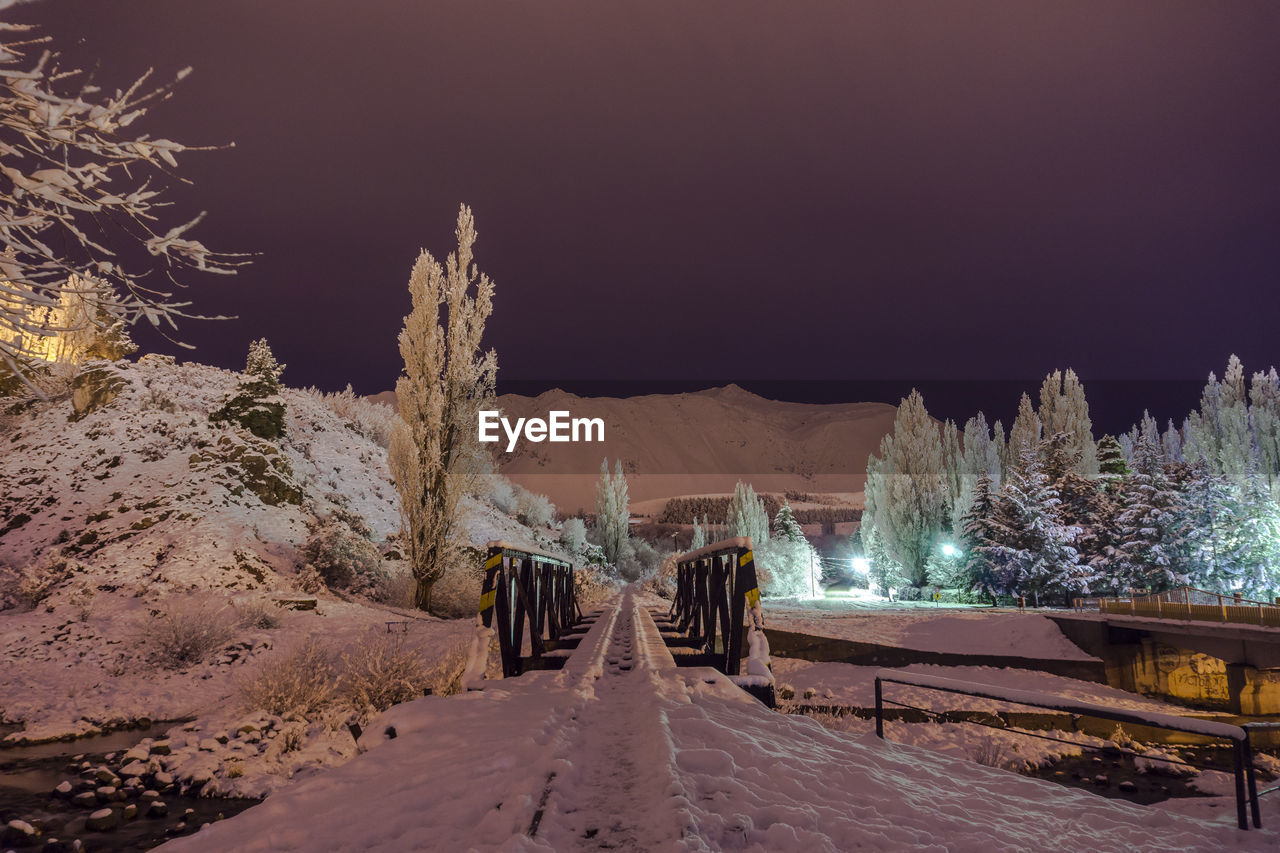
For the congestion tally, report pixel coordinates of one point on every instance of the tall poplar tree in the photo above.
(435, 455)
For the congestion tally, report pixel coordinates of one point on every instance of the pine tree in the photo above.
(256, 403)
(1150, 532)
(1037, 554)
(435, 454)
(982, 543)
(787, 558)
(1111, 464)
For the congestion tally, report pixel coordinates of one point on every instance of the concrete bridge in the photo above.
(1234, 666)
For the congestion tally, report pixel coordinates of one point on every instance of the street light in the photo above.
(949, 550)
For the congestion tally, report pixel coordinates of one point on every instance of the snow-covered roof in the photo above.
(716, 547)
(525, 549)
(1208, 728)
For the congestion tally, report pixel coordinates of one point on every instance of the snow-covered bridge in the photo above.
(622, 749)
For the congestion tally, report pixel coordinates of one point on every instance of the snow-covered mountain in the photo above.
(697, 443)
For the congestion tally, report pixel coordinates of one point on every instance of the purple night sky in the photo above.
(714, 191)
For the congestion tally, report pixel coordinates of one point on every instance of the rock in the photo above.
(110, 756)
(164, 779)
(222, 737)
(133, 768)
(209, 745)
(106, 777)
(96, 386)
(130, 811)
(1101, 780)
(157, 808)
(149, 796)
(1128, 787)
(187, 813)
(53, 845)
(103, 820)
(106, 793)
(247, 728)
(160, 747)
(19, 833)
(138, 753)
(85, 799)
(64, 789)
(87, 784)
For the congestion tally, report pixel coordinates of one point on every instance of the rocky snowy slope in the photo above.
(137, 505)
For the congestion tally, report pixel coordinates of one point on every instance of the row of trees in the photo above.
(785, 560)
(1049, 512)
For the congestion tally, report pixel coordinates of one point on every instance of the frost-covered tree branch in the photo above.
(80, 193)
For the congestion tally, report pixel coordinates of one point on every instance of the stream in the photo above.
(29, 774)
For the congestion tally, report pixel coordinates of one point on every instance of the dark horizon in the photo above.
(839, 192)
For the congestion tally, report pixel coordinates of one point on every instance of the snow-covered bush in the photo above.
(187, 631)
(639, 559)
(593, 586)
(457, 594)
(397, 588)
(573, 536)
(372, 420)
(344, 559)
(500, 492)
(29, 586)
(257, 614)
(533, 510)
(302, 682)
(382, 671)
(992, 752)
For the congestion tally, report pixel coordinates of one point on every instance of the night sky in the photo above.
(675, 192)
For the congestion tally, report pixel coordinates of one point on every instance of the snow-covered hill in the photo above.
(142, 506)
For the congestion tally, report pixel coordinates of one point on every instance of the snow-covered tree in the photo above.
(747, 515)
(981, 543)
(256, 403)
(81, 203)
(907, 496)
(787, 559)
(1111, 461)
(1150, 534)
(1063, 409)
(613, 512)
(1024, 435)
(1031, 549)
(434, 454)
(699, 535)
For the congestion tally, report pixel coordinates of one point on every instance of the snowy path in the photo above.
(620, 750)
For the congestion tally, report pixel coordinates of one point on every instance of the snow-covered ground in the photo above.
(622, 750)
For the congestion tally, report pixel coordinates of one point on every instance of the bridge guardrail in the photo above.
(1246, 786)
(1189, 604)
(523, 585)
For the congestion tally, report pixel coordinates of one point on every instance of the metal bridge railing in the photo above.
(1188, 603)
(526, 593)
(715, 587)
(1245, 779)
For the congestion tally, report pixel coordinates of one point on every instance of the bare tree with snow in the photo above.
(434, 451)
(80, 191)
